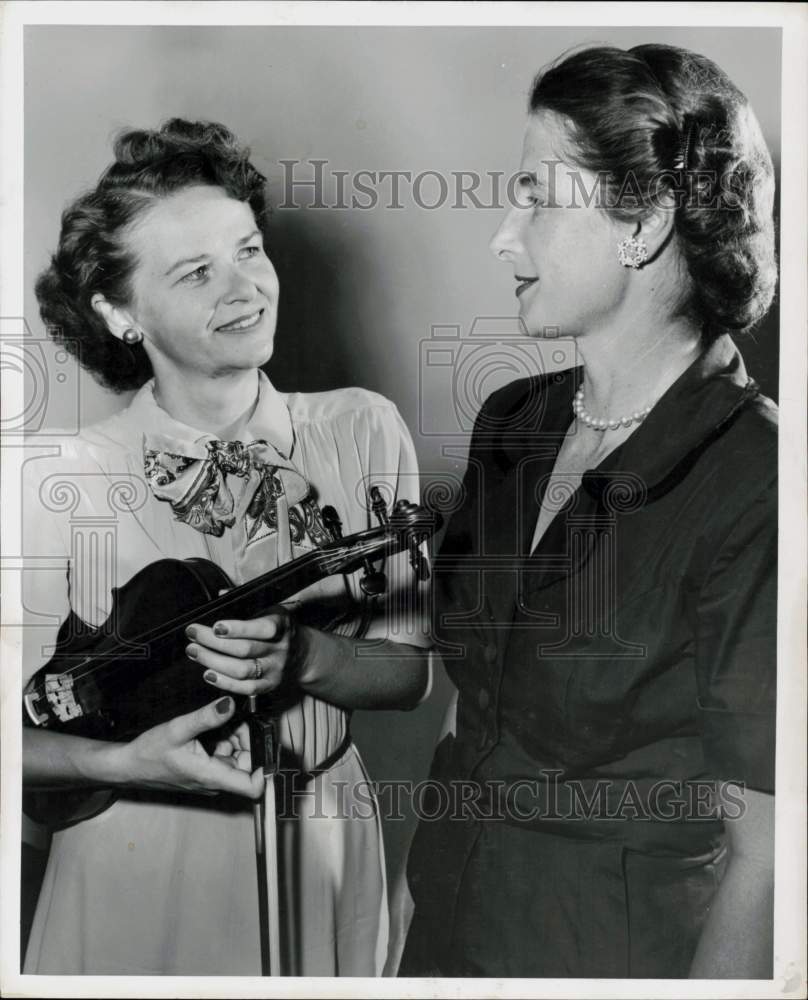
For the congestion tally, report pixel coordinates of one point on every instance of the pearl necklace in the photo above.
(601, 423)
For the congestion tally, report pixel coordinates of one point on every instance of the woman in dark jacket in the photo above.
(606, 594)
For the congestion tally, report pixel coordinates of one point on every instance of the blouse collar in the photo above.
(270, 420)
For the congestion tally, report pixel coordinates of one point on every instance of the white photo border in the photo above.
(790, 901)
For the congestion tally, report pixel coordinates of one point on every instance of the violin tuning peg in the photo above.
(332, 523)
(420, 566)
(378, 506)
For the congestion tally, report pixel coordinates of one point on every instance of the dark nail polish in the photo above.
(210, 677)
(223, 705)
(191, 632)
(192, 652)
(219, 629)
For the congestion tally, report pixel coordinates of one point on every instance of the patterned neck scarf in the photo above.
(199, 478)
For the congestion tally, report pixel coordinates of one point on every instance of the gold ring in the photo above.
(258, 672)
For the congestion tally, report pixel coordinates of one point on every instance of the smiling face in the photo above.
(204, 292)
(563, 251)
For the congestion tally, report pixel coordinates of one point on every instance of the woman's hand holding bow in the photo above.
(167, 757)
(251, 657)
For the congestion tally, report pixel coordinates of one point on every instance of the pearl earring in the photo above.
(632, 252)
(132, 336)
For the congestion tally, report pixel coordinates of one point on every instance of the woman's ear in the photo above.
(656, 228)
(117, 319)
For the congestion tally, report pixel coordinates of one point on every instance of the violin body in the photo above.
(143, 687)
(144, 683)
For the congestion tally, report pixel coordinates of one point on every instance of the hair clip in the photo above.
(682, 161)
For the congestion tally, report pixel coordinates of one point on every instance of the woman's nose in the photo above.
(239, 287)
(505, 241)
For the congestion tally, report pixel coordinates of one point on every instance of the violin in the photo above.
(130, 674)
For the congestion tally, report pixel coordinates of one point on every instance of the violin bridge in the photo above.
(59, 692)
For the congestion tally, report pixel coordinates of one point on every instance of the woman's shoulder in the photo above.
(750, 444)
(108, 446)
(352, 404)
(355, 425)
(104, 441)
(67, 475)
(762, 416)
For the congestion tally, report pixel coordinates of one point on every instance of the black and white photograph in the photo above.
(403, 499)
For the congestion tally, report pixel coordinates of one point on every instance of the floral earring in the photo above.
(632, 252)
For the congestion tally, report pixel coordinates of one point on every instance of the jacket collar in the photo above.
(691, 414)
(688, 417)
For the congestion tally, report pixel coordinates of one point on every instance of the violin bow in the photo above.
(264, 751)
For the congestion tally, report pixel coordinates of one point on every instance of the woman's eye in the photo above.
(527, 194)
(197, 275)
(252, 251)
(523, 192)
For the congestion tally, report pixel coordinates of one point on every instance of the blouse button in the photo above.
(483, 700)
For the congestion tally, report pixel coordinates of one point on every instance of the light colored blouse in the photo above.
(166, 884)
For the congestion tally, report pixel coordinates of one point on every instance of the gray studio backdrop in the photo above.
(363, 289)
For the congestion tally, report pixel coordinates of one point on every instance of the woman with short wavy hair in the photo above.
(161, 283)
(603, 797)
